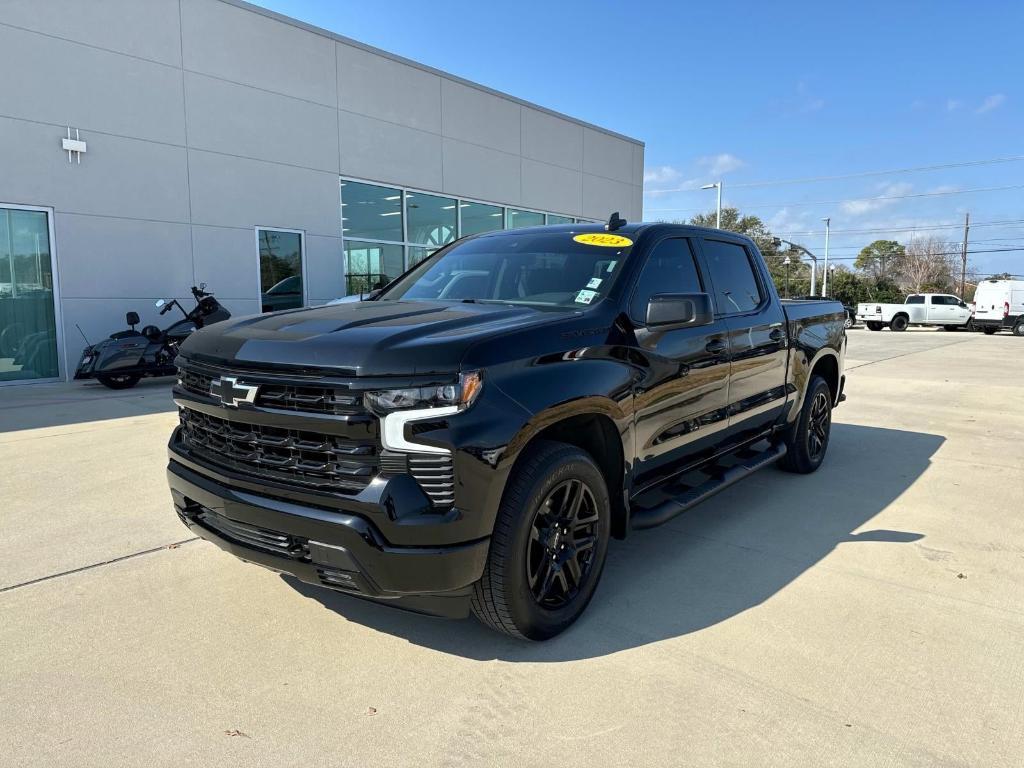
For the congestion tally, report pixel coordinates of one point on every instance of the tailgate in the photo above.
(869, 311)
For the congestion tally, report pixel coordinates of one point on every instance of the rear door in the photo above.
(680, 403)
(756, 324)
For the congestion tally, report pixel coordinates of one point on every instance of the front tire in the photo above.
(118, 380)
(951, 327)
(1018, 329)
(549, 544)
(807, 440)
(899, 323)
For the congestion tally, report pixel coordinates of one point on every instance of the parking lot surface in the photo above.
(869, 614)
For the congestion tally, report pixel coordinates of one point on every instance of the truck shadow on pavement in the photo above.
(725, 557)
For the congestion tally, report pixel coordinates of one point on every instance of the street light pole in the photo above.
(787, 262)
(718, 211)
(777, 241)
(824, 277)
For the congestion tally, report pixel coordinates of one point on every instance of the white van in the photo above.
(999, 304)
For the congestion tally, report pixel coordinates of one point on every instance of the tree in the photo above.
(929, 265)
(880, 258)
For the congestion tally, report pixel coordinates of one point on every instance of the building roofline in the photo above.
(266, 12)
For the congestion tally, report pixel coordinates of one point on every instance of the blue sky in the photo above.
(753, 92)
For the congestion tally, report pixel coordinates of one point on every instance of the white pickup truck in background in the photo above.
(919, 309)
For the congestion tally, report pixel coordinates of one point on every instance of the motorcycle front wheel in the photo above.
(119, 380)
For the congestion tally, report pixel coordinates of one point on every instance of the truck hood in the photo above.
(368, 338)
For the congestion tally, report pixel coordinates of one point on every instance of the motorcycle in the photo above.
(122, 360)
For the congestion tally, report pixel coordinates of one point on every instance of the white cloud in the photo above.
(994, 101)
(952, 105)
(884, 199)
(661, 174)
(716, 165)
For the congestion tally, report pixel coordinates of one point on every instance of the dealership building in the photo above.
(150, 145)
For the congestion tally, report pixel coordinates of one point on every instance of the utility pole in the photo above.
(963, 256)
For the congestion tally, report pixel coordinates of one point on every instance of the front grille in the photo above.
(302, 398)
(282, 544)
(277, 453)
(436, 476)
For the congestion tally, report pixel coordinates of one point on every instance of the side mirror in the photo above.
(666, 311)
(963, 305)
(372, 294)
(132, 318)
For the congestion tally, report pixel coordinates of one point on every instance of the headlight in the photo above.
(460, 395)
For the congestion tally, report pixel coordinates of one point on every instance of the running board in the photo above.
(649, 517)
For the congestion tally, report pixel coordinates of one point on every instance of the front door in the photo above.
(757, 337)
(680, 404)
(28, 324)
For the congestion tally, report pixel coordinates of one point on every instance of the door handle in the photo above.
(776, 335)
(716, 347)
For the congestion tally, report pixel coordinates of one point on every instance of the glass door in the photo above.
(280, 269)
(28, 324)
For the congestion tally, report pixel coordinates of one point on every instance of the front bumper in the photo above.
(327, 547)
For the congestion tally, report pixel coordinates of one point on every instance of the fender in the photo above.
(801, 369)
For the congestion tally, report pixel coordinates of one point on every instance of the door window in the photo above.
(736, 285)
(28, 328)
(670, 268)
(280, 269)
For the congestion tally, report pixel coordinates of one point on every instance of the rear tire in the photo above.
(988, 330)
(118, 380)
(899, 323)
(807, 439)
(872, 326)
(1018, 329)
(549, 544)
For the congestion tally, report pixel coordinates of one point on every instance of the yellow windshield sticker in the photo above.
(600, 238)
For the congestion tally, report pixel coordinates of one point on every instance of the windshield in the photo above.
(558, 269)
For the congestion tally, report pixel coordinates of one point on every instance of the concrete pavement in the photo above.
(869, 614)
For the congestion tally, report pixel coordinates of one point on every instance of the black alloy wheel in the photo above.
(807, 438)
(818, 426)
(560, 555)
(118, 380)
(549, 543)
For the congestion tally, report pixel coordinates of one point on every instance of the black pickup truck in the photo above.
(473, 435)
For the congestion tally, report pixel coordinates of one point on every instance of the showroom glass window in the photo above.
(480, 217)
(371, 212)
(280, 269)
(387, 230)
(371, 265)
(28, 327)
(432, 220)
(517, 219)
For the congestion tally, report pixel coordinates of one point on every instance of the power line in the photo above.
(860, 175)
(919, 227)
(942, 193)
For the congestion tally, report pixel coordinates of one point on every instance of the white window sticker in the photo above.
(595, 282)
(611, 265)
(585, 297)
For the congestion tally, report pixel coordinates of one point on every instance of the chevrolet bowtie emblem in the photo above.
(231, 393)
